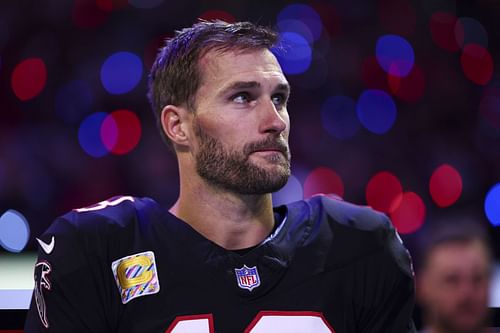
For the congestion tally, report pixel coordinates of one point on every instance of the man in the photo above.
(454, 280)
(222, 259)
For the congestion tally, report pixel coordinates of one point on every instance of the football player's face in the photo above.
(241, 122)
(455, 286)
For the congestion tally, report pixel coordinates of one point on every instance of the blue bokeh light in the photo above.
(89, 135)
(74, 100)
(14, 231)
(294, 53)
(492, 205)
(121, 72)
(291, 192)
(338, 114)
(304, 14)
(395, 55)
(470, 31)
(296, 26)
(376, 111)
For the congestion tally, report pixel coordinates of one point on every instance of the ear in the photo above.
(174, 121)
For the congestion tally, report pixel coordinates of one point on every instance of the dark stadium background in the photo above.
(60, 84)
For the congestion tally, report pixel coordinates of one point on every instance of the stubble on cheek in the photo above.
(234, 171)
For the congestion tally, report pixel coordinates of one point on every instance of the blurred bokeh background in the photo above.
(395, 104)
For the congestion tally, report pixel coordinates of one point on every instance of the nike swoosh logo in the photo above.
(47, 248)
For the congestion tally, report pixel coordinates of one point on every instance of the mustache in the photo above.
(268, 144)
(466, 306)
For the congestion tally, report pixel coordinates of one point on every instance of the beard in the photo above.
(451, 323)
(232, 170)
(452, 327)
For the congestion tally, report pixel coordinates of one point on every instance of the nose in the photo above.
(468, 288)
(273, 120)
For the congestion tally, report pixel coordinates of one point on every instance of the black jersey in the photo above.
(128, 265)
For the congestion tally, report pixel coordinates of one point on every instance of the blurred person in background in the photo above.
(453, 279)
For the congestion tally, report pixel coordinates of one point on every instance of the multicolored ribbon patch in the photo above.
(136, 275)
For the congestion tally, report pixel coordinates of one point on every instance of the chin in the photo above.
(468, 324)
(271, 160)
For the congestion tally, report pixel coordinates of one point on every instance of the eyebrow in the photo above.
(285, 87)
(239, 85)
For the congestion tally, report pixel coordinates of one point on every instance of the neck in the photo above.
(232, 221)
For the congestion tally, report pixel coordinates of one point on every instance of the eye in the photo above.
(241, 98)
(451, 280)
(279, 99)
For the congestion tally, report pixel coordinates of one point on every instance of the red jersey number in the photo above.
(264, 322)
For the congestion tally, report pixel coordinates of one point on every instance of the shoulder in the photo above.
(111, 223)
(352, 232)
(115, 212)
(349, 215)
(329, 212)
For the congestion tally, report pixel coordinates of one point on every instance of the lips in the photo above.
(278, 149)
(269, 145)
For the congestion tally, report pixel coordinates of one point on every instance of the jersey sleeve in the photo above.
(387, 297)
(70, 293)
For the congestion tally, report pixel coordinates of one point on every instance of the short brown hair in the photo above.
(464, 230)
(175, 76)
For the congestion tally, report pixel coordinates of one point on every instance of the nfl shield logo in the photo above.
(247, 277)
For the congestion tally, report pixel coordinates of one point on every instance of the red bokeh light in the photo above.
(443, 27)
(409, 88)
(110, 5)
(445, 185)
(410, 214)
(459, 33)
(330, 17)
(216, 14)
(121, 132)
(87, 14)
(323, 180)
(384, 192)
(374, 76)
(29, 78)
(477, 63)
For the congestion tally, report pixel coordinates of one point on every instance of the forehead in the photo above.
(219, 67)
(458, 256)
